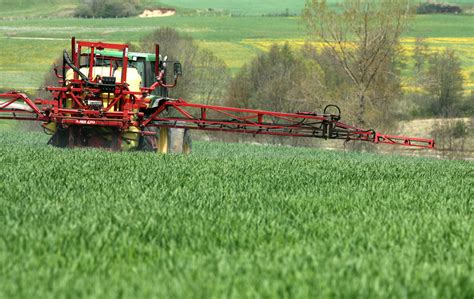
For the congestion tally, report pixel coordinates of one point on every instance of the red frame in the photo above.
(77, 50)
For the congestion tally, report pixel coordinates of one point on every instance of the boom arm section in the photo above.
(16, 105)
(180, 114)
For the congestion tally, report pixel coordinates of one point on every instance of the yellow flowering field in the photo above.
(236, 54)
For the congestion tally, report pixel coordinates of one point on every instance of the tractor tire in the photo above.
(149, 143)
(175, 141)
(167, 140)
(60, 138)
(187, 142)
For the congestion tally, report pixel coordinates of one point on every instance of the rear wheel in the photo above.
(83, 136)
(175, 140)
(187, 142)
(60, 138)
(149, 143)
(166, 140)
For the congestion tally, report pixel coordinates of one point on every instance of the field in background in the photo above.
(244, 7)
(29, 46)
(464, 47)
(231, 221)
(47, 8)
(36, 9)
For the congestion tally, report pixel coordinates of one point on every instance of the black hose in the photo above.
(338, 115)
(68, 61)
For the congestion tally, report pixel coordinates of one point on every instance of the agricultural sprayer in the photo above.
(112, 98)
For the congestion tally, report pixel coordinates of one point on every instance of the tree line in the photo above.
(361, 75)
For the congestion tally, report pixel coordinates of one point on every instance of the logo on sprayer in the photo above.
(85, 122)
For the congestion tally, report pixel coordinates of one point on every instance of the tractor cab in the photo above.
(140, 68)
(108, 92)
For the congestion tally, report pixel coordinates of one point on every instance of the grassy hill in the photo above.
(55, 8)
(32, 9)
(244, 7)
(231, 221)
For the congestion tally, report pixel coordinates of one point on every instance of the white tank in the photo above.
(134, 79)
(96, 70)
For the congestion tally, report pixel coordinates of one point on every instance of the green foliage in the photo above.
(274, 80)
(432, 7)
(459, 129)
(107, 9)
(451, 136)
(445, 83)
(420, 56)
(439, 82)
(50, 79)
(231, 220)
(29, 9)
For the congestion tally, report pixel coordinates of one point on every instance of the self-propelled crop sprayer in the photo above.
(112, 98)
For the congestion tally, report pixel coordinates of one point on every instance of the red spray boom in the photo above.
(96, 90)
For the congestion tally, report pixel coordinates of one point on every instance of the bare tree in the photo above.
(444, 83)
(451, 135)
(205, 76)
(363, 37)
(211, 77)
(276, 80)
(420, 55)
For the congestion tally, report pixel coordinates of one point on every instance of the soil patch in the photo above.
(161, 12)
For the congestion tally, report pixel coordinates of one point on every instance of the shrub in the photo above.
(431, 7)
(274, 80)
(445, 83)
(107, 9)
(451, 135)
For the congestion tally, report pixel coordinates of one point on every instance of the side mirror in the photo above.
(177, 68)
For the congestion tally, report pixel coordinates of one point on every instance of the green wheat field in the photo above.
(229, 220)
(232, 221)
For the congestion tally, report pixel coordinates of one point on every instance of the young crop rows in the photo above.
(231, 220)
